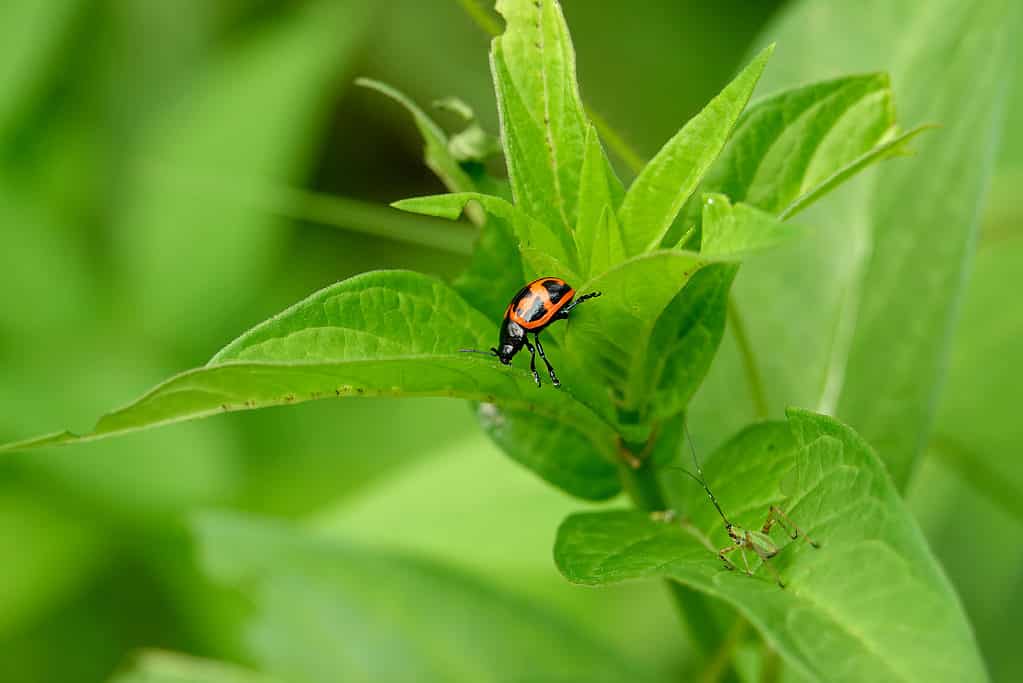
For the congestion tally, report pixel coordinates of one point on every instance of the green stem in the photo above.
(749, 361)
(717, 666)
(770, 669)
(369, 219)
(693, 607)
(481, 17)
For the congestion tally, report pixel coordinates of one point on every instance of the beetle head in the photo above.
(505, 353)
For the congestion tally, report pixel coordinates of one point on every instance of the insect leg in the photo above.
(778, 515)
(550, 368)
(568, 309)
(729, 565)
(532, 361)
(765, 558)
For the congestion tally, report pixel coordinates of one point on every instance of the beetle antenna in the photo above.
(491, 352)
(701, 479)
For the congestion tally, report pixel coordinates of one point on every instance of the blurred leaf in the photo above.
(977, 543)
(333, 611)
(511, 550)
(30, 34)
(49, 554)
(871, 604)
(666, 182)
(969, 497)
(35, 247)
(536, 239)
(169, 667)
(858, 316)
(543, 123)
(436, 152)
(253, 119)
(390, 333)
(977, 430)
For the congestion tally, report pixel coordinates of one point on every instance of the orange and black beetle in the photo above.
(536, 306)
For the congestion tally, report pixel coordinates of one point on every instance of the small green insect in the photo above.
(743, 539)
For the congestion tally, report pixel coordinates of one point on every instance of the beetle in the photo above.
(537, 305)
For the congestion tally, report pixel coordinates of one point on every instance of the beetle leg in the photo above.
(568, 309)
(532, 361)
(550, 368)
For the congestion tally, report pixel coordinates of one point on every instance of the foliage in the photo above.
(824, 314)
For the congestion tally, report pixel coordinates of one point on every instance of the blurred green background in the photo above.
(163, 168)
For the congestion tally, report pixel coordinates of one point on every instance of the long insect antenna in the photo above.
(702, 479)
(491, 352)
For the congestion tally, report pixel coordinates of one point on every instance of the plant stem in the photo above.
(717, 665)
(749, 361)
(693, 607)
(481, 17)
(370, 219)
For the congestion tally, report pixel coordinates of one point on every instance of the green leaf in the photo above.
(472, 145)
(656, 196)
(686, 339)
(384, 333)
(735, 230)
(436, 152)
(169, 667)
(611, 338)
(252, 120)
(331, 611)
(857, 317)
(543, 123)
(608, 249)
(540, 239)
(597, 235)
(788, 145)
(893, 147)
(871, 604)
(554, 449)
